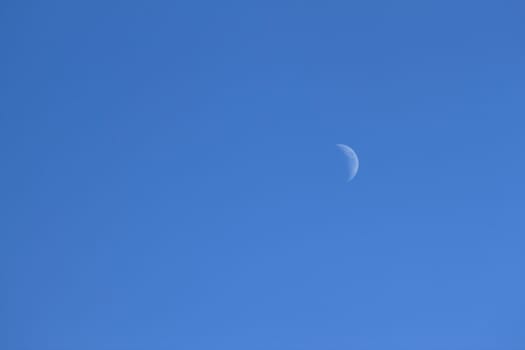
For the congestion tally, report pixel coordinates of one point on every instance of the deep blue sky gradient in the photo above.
(170, 180)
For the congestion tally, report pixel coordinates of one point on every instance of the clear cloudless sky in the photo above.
(169, 176)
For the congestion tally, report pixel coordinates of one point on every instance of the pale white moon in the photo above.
(353, 161)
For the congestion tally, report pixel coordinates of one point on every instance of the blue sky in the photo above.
(170, 180)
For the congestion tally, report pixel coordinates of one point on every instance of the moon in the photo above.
(353, 161)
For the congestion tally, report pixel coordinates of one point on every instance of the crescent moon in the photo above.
(353, 161)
